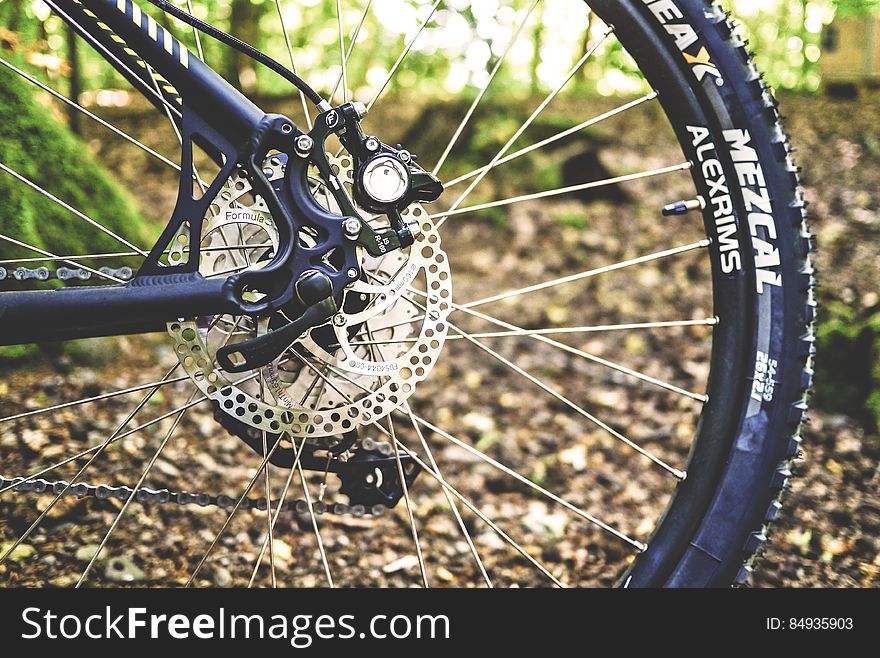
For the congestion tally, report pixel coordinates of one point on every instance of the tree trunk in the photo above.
(74, 119)
(244, 19)
(537, 43)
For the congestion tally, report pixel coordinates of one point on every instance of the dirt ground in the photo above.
(827, 534)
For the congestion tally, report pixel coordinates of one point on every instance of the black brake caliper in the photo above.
(387, 180)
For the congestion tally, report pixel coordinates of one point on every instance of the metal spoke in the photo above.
(354, 37)
(269, 523)
(88, 451)
(70, 209)
(455, 210)
(134, 430)
(263, 464)
(342, 57)
(702, 244)
(571, 73)
(554, 138)
(311, 386)
(574, 407)
(324, 379)
(553, 330)
(592, 357)
(72, 263)
(103, 396)
(100, 449)
(449, 500)
(443, 483)
(549, 494)
(556, 394)
(473, 508)
(302, 96)
(409, 508)
(196, 35)
(134, 492)
(390, 432)
(278, 509)
(403, 55)
(483, 90)
(308, 496)
(94, 117)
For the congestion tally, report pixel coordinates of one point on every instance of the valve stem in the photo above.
(684, 207)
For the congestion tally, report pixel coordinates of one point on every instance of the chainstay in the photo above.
(147, 496)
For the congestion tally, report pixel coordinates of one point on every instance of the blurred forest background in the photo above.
(790, 39)
(785, 34)
(832, 108)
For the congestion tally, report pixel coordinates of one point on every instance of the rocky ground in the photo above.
(826, 536)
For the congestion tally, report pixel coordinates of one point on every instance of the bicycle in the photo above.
(305, 290)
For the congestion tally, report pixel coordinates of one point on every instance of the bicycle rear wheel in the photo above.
(611, 392)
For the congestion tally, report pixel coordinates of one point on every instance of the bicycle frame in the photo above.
(209, 112)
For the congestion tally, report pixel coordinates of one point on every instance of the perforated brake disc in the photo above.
(355, 369)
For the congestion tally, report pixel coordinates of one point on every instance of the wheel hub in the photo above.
(353, 369)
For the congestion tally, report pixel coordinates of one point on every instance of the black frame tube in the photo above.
(152, 59)
(198, 86)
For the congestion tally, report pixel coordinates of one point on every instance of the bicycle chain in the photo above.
(147, 496)
(124, 273)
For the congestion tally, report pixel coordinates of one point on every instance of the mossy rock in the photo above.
(35, 145)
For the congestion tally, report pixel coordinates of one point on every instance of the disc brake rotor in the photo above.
(351, 371)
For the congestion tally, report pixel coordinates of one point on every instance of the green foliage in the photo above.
(786, 35)
(856, 7)
(848, 363)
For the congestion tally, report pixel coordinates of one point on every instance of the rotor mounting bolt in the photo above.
(339, 320)
(372, 144)
(352, 228)
(304, 145)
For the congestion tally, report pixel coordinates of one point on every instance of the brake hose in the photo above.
(242, 47)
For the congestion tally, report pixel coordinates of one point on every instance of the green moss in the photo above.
(575, 220)
(17, 353)
(36, 146)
